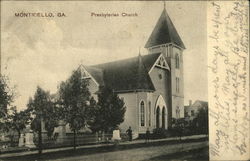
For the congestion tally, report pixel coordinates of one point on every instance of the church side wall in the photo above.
(142, 96)
(162, 88)
(177, 97)
(132, 116)
(130, 100)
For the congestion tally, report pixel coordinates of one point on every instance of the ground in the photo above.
(155, 152)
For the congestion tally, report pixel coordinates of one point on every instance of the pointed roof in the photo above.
(164, 32)
(125, 75)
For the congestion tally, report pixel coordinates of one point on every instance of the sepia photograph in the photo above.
(105, 80)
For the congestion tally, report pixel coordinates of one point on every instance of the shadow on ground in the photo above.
(191, 155)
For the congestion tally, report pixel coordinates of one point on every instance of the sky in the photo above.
(45, 50)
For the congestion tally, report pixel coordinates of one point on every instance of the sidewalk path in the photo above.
(101, 145)
(138, 154)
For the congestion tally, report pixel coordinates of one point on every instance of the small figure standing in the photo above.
(129, 132)
(147, 135)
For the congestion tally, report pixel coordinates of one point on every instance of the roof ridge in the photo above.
(120, 60)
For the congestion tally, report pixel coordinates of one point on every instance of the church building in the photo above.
(151, 85)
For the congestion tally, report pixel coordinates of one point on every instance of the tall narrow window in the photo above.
(142, 114)
(177, 84)
(149, 113)
(177, 61)
(177, 112)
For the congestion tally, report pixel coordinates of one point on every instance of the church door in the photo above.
(158, 117)
(161, 113)
(163, 117)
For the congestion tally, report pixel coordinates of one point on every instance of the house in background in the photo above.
(192, 110)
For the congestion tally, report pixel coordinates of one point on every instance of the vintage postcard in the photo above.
(124, 80)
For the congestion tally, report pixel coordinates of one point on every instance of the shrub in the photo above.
(160, 133)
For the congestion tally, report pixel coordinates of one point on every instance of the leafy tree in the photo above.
(95, 116)
(51, 121)
(75, 99)
(6, 98)
(202, 120)
(109, 111)
(36, 124)
(43, 110)
(19, 120)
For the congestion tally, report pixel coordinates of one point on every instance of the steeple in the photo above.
(164, 32)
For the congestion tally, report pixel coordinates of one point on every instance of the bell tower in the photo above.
(165, 39)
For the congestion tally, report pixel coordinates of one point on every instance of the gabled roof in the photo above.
(125, 75)
(96, 73)
(164, 32)
(199, 103)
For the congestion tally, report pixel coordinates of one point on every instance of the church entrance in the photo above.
(158, 117)
(160, 113)
(163, 117)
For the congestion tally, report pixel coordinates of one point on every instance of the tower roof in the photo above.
(164, 32)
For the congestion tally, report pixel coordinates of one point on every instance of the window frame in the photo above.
(149, 113)
(177, 61)
(142, 114)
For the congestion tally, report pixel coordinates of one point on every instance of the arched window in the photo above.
(142, 113)
(177, 61)
(149, 113)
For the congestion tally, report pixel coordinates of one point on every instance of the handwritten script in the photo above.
(228, 63)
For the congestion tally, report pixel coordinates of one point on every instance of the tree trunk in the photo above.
(19, 134)
(40, 140)
(74, 139)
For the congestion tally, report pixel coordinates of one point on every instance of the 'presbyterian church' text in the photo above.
(105, 15)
